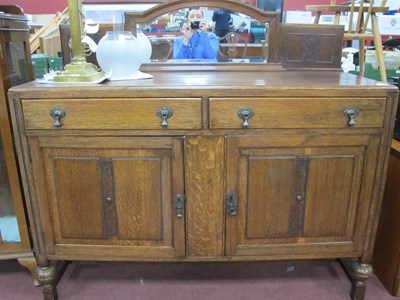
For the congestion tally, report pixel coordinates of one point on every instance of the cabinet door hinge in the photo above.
(231, 204)
(180, 206)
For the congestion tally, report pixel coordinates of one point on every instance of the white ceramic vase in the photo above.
(145, 44)
(119, 54)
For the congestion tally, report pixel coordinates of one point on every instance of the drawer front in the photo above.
(295, 113)
(138, 113)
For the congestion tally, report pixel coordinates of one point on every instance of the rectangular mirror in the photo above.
(252, 36)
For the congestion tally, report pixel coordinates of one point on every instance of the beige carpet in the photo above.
(314, 280)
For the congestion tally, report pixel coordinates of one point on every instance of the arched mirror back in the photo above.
(133, 19)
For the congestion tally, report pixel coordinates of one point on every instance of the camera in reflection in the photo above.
(195, 24)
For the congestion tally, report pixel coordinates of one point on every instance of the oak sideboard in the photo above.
(204, 166)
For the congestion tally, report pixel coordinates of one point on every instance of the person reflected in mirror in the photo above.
(196, 42)
(222, 19)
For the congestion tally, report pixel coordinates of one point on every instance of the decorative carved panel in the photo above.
(311, 46)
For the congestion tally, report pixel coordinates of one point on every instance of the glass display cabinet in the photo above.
(15, 68)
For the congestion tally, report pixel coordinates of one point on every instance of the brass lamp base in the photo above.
(83, 72)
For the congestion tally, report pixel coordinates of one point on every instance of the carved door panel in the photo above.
(295, 198)
(113, 194)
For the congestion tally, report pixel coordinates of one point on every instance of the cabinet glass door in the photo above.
(9, 232)
(14, 71)
(16, 62)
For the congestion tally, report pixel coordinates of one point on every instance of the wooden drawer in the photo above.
(138, 113)
(296, 113)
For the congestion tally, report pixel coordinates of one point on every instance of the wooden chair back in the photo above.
(233, 40)
(360, 13)
(161, 49)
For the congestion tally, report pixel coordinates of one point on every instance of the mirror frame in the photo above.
(132, 19)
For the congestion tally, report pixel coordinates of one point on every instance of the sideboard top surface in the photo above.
(198, 82)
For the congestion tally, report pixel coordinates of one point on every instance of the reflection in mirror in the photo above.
(244, 40)
(252, 34)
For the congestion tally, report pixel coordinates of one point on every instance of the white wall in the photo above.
(393, 4)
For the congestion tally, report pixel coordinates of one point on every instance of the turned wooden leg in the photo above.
(49, 276)
(31, 264)
(358, 273)
(46, 276)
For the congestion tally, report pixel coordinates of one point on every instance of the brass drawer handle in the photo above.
(57, 114)
(164, 113)
(351, 113)
(245, 114)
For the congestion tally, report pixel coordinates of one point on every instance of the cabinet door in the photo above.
(292, 198)
(111, 196)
